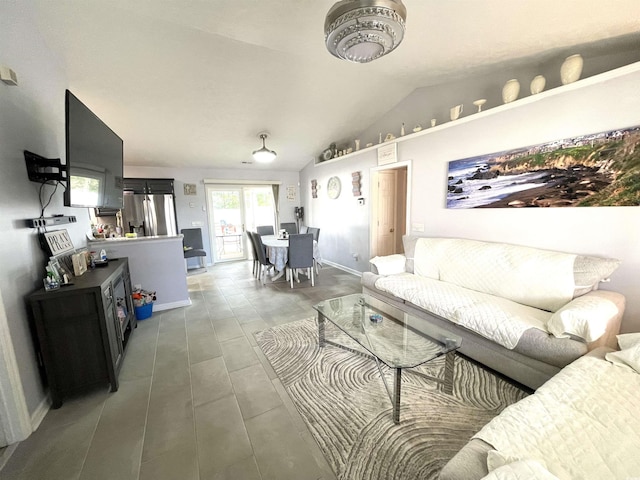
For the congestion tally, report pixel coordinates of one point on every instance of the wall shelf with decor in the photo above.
(586, 82)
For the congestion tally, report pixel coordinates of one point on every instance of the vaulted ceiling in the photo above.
(192, 83)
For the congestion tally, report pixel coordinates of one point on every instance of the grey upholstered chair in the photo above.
(301, 255)
(192, 242)
(264, 264)
(291, 228)
(256, 263)
(315, 231)
(265, 230)
(316, 235)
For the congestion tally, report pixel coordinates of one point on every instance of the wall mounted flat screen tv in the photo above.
(94, 159)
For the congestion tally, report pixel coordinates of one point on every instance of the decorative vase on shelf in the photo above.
(571, 69)
(455, 112)
(511, 90)
(537, 84)
(479, 103)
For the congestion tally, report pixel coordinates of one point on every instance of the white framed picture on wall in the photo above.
(388, 154)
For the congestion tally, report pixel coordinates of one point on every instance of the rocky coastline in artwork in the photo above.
(595, 170)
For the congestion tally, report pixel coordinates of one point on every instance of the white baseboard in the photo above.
(41, 410)
(342, 267)
(158, 307)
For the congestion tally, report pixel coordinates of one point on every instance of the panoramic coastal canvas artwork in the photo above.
(601, 169)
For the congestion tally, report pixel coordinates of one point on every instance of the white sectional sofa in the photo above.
(583, 424)
(523, 312)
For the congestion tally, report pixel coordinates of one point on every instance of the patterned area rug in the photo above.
(344, 403)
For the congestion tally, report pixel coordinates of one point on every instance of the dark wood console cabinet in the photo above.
(83, 329)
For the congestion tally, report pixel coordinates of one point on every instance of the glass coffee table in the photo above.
(390, 336)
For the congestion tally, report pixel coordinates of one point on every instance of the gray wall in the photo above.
(344, 225)
(581, 108)
(32, 119)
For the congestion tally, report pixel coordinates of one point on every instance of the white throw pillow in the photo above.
(585, 317)
(389, 264)
(628, 340)
(628, 358)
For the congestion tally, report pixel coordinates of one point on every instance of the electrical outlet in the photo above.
(418, 227)
(197, 224)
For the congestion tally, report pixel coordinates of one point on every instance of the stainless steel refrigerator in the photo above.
(149, 214)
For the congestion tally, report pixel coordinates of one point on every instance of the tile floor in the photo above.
(197, 398)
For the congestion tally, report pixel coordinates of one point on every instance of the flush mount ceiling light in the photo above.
(363, 30)
(264, 155)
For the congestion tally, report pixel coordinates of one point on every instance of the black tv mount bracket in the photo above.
(44, 170)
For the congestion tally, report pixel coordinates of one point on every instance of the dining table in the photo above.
(278, 253)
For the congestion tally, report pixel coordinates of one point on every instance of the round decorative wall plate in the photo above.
(333, 187)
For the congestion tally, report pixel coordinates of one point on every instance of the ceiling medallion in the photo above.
(362, 30)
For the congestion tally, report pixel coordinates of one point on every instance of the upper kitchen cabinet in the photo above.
(149, 185)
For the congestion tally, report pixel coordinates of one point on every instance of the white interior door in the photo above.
(390, 190)
(387, 220)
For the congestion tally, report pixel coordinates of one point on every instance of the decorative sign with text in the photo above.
(58, 242)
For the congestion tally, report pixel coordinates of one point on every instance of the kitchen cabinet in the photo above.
(83, 329)
(149, 185)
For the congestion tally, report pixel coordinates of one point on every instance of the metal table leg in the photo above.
(396, 396)
(321, 319)
(447, 384)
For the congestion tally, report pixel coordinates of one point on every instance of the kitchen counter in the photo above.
(155, 238)
(156, 263)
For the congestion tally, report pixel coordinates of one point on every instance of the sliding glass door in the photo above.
(232, 211)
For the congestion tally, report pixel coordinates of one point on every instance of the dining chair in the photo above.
(291, 228)
(265, 230)
(316, 235)
(303, 229)
(192, 245)
(315, 231)
(256, 263)
(301, 255)
(264, 264)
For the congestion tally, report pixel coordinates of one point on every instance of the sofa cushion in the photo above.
(590, 271)
(585, 317)
(528, 469)
(496, 318)
(530, 276)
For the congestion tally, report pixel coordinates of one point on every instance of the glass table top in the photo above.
(394, 337)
